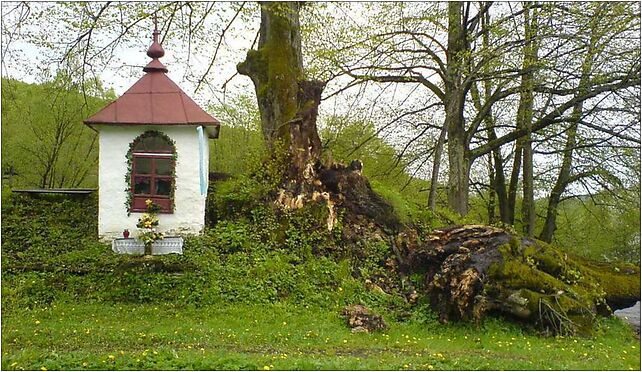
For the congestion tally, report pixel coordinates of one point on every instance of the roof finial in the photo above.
(155, 51)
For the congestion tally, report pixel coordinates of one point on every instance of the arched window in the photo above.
(152, 155)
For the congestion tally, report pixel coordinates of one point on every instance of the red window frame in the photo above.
(164, 200)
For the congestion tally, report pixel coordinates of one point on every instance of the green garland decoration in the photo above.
(130, 159)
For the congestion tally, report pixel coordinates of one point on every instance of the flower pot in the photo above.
(148, 249)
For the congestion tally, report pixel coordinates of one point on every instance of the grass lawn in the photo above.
(261, 337)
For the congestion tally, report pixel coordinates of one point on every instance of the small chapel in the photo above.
(153, 145)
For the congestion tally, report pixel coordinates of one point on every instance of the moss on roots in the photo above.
(473, 270)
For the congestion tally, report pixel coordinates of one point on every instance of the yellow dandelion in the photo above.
(111, 357)
(266, 368)
(43, 368)
(37, 322)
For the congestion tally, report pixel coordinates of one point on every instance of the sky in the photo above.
(125, 66)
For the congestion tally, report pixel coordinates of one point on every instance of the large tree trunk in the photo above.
(458, 161)
(564, 176)
(470, 271)
(525, 115)
(499, 184)
(287, 102)
(492, 203)
(514, 179)
(458, 171)
(434, 177)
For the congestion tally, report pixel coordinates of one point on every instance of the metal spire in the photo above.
(155, 51)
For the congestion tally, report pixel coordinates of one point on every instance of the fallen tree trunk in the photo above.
(471, 271)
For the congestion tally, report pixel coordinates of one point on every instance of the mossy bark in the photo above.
(473, 270)
(287, 102)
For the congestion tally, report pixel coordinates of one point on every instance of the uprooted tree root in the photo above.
(474, 270)
(341, 188)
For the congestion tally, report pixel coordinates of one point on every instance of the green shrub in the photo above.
(253, 254)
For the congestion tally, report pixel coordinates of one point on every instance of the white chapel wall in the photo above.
(189, 204)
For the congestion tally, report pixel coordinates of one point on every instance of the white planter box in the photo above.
(167, 245)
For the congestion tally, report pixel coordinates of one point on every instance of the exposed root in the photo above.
(471, 270)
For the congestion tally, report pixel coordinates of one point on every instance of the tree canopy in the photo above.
(519, 105)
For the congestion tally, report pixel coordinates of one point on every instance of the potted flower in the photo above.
(147, 224)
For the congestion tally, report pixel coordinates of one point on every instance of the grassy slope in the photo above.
(55, 320)
(278, 336)
(258, 307)
(243, 320)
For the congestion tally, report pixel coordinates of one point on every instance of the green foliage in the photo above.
(50, 253)
(258, 279)
(44, 142)
(603, 228)
(404, 208)
(36, 229)
(240, 143)
(348, 141)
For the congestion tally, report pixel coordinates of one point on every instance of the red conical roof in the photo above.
(153, 100)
